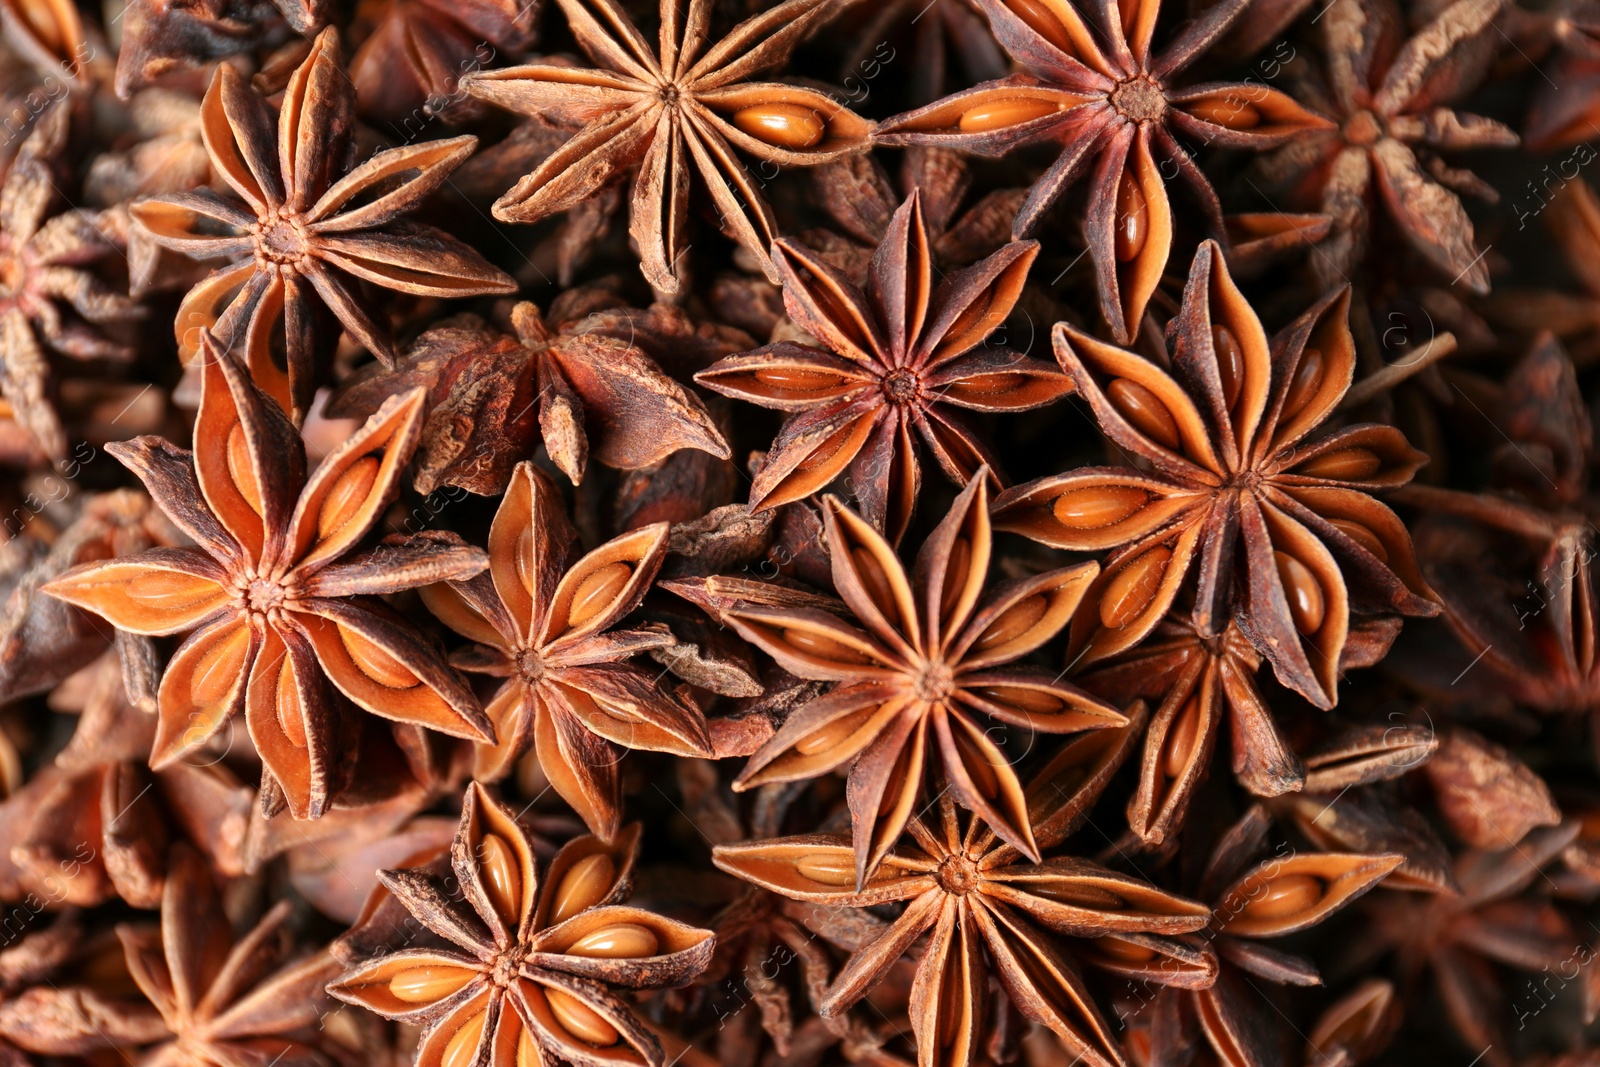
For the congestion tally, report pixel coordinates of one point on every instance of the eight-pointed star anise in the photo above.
(899, 361)
(310, 231)
(1281, 533)
(1114, 108)
(930, 661)
(545, 627)
(537, 977)
(665, 110)
(277, 608)
(986, 909)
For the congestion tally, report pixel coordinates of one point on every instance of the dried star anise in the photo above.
(987, 909)
(543, 965)
(930, 660)
(311, 230)
(1113, 108)
(663, 110)
(277, 605)
(1280, 531)
(161, 36)
(570, 690)
(899, 362)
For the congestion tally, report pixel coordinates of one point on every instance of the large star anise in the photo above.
(1114, 108)
(1390, 96)
(663, 110)
(543, 966)
(899, 362)
(930, 660)
(986, 910)
(310, 231)
(1281, 531)
(546, 627)
(226, 1002)
(42, 261)
(276, 611)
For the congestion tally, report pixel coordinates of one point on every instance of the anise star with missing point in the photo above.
(309, 232)
(930, 665)
(899, 363)
(277, 604)
(662, 111)
(545, 967)
(1279, 529)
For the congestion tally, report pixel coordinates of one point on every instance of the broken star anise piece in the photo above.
(545, 968)
(581, 387)
(663, 110)
(1115, 109)
(899, 364)
(1281, 531)
(930, 665)
(277, 606)
(545, 627)
(310, 231)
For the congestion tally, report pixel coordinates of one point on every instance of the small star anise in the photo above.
(1117, 109)
(986, 909)
(899, 361)
(929, 662)
(299, 249)
(543, 965)
(667, 109)
(1281, 533)
(161, 36)
(42, 261)
(275, 610)
(546, 627)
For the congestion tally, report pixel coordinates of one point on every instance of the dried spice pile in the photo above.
(783, 533)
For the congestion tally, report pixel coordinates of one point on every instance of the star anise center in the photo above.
(260, 596)
(13, 274)
(1139, 100)
(958, 874)
(281, 238)
(934, 682)
(901, 387)
(529, 665)
(1363, 128)
(507, 965)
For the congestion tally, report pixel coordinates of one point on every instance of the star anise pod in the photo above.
(48, 35)
(546, 627)
(577, 385)
(936, 35)
(1115, 109)
(1563, 112)
(42, 275)
(1390, 96)
(277, 604)
(661, 111)
(543, 966)
(987, 910)
(930, 660)
(899, 361)
(226, 1001)
(310, 230)
(1279, 528)
(162, 36)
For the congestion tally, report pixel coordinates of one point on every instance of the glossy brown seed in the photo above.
(791, 126)
(1133, 219)
(1097, 506)
(820, 647)
(1362, 536)
(502, 878)
(1031, 701)
(1124, 951)
(1306, 382)
(580, 1020)
(619, 941)
(1004, 113)
(958, 564)
(1229, 111)
(1145, 410)
(1179, 745)
(217, 670)
(349, 492)
(1344, 464)
(1306, 604)
(1042, 21)
(597, 592)
(1132, 588)
(376, 663)
(586, 883)
(828, 869)
(523, 553)
(426, 985)
(244, 476)
(831, 735)
(823, 453)
(463, 1044)
(291, 715)
(1015, 621)
(1079, 895)
(874, 578)
(796, 382)
(1230, 363)
(1286, 895)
